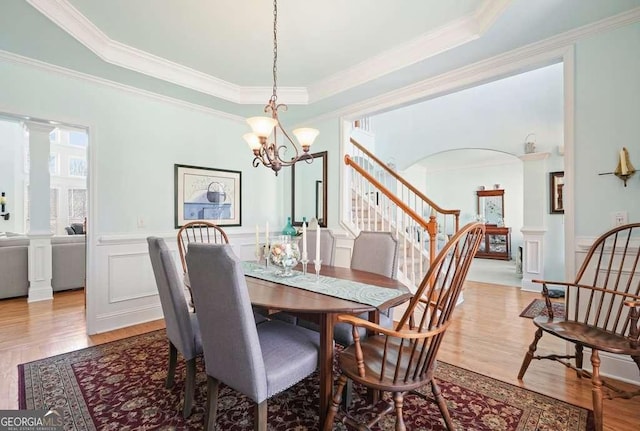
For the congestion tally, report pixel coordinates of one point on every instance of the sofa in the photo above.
(68, 262)
(68, 254)
(14, 270)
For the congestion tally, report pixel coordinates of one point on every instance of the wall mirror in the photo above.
(309, 190)
(491, 206)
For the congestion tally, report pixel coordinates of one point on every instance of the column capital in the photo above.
(38, 127)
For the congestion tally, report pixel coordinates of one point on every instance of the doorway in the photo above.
(66, 174)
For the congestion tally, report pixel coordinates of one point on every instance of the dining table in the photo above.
(277, 294)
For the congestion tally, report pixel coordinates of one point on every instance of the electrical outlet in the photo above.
(141, 222)
(619, 218)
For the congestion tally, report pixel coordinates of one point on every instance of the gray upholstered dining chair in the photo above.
(327, 247)
(375, 252)
(181, 325)
(256, 360)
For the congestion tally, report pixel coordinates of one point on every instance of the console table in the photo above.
(496, 244)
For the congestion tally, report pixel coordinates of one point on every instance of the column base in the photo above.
(40, 293)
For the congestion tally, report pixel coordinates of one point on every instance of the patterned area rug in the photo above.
(539, 308)
(120, 386)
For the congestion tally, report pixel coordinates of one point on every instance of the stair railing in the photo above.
(381, 200)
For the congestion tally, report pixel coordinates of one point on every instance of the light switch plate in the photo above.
(619, 218)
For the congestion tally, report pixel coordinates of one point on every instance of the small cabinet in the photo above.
(496, 244)
(497, 239)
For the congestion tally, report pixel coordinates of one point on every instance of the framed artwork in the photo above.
(207, 194)
(556, 185)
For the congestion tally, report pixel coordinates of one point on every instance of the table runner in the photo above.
(344, 289)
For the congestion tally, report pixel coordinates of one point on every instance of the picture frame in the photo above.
(210, 194)
(556, 188)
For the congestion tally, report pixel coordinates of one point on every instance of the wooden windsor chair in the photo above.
(403, 359)
(198, 231)
(602, 308)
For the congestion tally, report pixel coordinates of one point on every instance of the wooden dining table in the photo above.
(280, 297)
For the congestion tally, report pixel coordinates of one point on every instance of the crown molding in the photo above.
(67, 17)
(64, 15)
(534, 55)
(488, 12)
(18, 59)
(449, 36)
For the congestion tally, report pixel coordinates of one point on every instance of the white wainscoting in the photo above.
(617, 366)
(123, 290)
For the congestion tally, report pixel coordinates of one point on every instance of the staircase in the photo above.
(378, 199)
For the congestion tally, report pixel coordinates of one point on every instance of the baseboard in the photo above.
(529, 286)
(129, 317)
(42, 293)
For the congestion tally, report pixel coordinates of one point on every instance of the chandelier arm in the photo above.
(295, 147)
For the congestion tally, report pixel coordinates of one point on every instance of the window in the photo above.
(77, 205)
(78, 139)
(77, 167)
(54, 167)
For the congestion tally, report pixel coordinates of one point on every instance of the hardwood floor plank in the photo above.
(33, 331)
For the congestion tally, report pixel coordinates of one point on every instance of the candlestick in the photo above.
(318, 242)
(304, 263)
(304, 241)
(317, 265)
(266, 235)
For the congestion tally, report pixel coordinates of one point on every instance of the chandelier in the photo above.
(270, 154)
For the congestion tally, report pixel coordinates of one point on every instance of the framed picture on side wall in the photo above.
(556, 186)
(207, 194)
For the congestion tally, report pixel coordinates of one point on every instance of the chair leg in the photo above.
(260, 418)
(579, 360)
(442, 405)
(347, 396)
(398, 399)
(596, 391)
(213, 386)
(529, 356)
(173, 358)
(189, 387)
(335, 403)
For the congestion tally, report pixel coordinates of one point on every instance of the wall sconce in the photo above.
(625, 169)
(3, 204)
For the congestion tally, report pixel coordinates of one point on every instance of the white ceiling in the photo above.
(332, 53)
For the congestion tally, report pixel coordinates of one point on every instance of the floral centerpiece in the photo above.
(285, 253)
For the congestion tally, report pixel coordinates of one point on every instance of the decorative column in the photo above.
(39, 213)
(534, 169)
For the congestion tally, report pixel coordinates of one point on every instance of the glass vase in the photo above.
(285, 254)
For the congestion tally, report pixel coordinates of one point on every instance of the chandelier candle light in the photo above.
(269, 153)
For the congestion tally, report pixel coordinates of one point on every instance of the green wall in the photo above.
(607, 113)
(135, 140)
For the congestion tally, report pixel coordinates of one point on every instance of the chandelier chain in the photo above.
(274, 95)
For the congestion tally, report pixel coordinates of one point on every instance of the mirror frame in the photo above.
(489, 193)
(322, 221)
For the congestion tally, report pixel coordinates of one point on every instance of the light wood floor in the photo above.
(487, 337)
